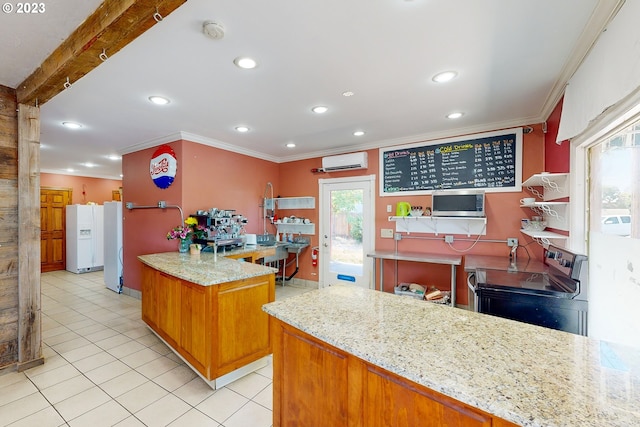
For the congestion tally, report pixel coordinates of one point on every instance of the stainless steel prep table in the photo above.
(493, 262)
(452, 260)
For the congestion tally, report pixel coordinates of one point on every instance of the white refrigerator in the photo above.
(113, 246)
(85, 247)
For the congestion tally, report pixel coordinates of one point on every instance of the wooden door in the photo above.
(53, 202)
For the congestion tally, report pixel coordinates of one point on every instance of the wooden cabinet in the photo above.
(217, 328)
(243, 328)
(307, 396)
(149, 305)
(315, 384)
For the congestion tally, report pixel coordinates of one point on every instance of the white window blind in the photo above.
(608, 74)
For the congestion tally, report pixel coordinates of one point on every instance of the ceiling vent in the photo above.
(345, 162)
(213, 30)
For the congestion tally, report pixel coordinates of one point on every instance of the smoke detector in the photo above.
(213, 30)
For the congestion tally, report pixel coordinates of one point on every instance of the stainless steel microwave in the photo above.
(458, 203)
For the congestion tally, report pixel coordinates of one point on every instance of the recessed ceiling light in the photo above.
(291, 145)
(113, 157)
(456, 115)
(358, 133)
(244, 62)
(70, 170)
(320, 109)
(71, 125)
(347, 93)
(445, 76)
(89, 165)
(242, 129)
(159, 100)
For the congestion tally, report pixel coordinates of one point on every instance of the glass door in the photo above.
(346, 231)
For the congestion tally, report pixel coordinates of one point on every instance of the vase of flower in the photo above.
(186, 233)
(184, 246)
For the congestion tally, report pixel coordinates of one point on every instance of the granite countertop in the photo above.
(526, 374)
(204, 269)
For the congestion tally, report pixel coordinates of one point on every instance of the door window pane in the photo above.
(347, 254)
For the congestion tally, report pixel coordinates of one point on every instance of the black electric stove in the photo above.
(555, 298)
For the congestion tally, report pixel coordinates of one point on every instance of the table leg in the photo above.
(453, 285)
(381, 275)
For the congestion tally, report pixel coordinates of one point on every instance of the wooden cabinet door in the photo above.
(168, 303)
(149, 297)
(393, 402)
(195, 336)
(313, 384)
(240, 315)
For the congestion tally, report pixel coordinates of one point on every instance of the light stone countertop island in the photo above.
(524, 374)
(205, 269)
(208, 309)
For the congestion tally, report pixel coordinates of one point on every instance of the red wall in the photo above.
(503, 219)
(206, 177)
(84, 189)
(556, 157)
(209, 177)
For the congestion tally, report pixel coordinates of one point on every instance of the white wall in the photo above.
(614, 294)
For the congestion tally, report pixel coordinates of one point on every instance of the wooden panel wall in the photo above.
(8, 227)
(29, 320)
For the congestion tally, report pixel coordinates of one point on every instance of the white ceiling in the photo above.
(512, 59)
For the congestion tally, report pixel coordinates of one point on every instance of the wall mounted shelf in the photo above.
(307, 229)
(296, 202)
(555, 213)
(544, 234)
(440, 225)
(554, 185)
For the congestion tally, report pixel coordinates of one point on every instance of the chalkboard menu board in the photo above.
(490, 161)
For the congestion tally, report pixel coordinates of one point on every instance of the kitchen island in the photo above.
(346, 356)
(207, 308)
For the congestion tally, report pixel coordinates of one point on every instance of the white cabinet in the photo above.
(296, 203)
(548, 188)
(440, 225)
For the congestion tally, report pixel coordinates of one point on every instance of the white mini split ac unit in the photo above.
(345, 162)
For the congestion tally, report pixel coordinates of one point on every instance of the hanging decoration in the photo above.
(163, 166)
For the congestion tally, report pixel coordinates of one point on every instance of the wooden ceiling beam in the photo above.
(113, 25)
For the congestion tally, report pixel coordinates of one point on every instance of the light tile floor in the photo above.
(103, 367)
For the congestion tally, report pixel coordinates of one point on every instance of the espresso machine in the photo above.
(224, 227)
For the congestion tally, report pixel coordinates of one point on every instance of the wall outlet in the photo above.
(512, 241)
(388, 208)
(386, 233)
(448, 239)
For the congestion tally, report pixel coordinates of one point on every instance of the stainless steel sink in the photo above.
(296, 248)
(281, 253)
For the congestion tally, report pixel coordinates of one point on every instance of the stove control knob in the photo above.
(565, 263)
